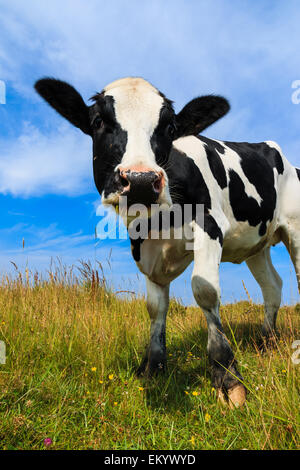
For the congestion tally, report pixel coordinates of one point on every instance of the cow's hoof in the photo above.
(150, 368)
(156, 368)
(235, 397)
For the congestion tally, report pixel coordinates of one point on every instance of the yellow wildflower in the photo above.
(195, 393)
(141, 389)
(93, 369)
(111, 376)
(206, 417)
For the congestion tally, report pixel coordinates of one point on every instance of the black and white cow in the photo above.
(250, 193)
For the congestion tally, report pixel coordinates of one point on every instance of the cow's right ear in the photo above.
(200, 113)
(66, 101)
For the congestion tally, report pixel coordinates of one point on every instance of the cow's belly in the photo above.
(164, 260)
(243, 241)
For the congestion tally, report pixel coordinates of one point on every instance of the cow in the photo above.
(249, 192)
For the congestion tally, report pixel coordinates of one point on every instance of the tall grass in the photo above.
(72, 349)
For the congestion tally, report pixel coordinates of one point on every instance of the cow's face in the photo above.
(132, 126)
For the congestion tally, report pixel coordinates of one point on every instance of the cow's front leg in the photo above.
(157, 305)
(205, 283)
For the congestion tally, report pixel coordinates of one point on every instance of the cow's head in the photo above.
(132, 126)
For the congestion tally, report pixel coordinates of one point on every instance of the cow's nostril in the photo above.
(122, 179)
(157, 185)
(140, 186)
(124, 182)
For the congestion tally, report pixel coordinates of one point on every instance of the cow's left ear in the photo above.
(200, 113)
(66, 101)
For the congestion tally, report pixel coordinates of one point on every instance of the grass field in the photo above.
(72, 350)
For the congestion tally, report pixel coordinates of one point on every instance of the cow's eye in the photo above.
(97, 123)
(171, 130)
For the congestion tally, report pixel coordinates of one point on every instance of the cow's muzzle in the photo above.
(140, 186)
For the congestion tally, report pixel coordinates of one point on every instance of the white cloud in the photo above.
(180, 46)
(184, 48)
(36, 163)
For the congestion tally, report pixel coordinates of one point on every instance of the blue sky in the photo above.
(248, 51)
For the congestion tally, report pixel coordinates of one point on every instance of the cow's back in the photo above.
(242, 185)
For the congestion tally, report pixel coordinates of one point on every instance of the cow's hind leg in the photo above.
(205, 284)
(270, 283)
(157, 305)
(291, 238)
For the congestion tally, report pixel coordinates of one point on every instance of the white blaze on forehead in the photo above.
(137, 107)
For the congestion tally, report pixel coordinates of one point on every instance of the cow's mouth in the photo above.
(126, 201)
